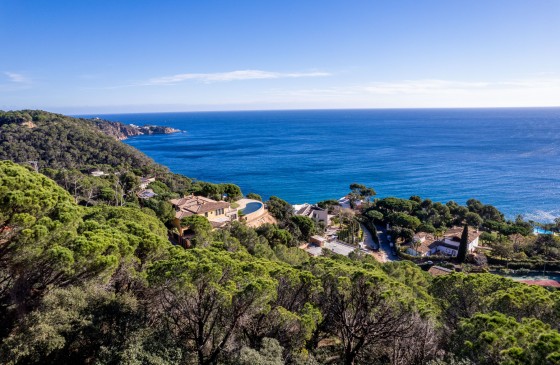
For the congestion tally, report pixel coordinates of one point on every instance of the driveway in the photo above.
(384, 253)
(386, 248)
(369, 243)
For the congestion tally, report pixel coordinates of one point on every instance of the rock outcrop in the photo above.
(122, 131)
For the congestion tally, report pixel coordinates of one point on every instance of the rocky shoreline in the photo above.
(123, 131)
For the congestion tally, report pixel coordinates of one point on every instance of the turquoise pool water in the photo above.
(251, 207)
(541, 231)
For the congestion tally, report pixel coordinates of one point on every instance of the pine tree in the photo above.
(462, 254)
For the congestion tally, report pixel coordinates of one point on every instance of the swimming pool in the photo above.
(251, 207)
(541, 231)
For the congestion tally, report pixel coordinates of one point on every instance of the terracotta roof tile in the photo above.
(197, 205)
(456, 233)
(426, 240)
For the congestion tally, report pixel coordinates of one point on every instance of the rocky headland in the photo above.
(123, 131)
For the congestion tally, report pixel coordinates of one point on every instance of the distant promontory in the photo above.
(123, 131)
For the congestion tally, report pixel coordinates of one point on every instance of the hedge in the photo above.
(526, 264)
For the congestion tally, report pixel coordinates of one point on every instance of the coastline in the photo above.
(311, 156)
(123, 131)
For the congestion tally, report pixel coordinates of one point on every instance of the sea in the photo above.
(506, 157)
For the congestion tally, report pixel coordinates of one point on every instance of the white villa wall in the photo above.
(321, 216)
(473, 244)
(453, 252)
(413, 252)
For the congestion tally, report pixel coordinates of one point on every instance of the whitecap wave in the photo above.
(543, 216)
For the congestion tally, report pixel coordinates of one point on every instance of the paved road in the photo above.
(385, 253)
(386, 249)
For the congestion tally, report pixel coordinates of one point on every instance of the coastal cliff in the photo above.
(122, 131)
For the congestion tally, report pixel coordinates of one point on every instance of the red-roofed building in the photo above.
(218, 213)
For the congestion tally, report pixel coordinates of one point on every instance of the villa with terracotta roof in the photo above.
(200, 205)
(218, 213)
(426, 244)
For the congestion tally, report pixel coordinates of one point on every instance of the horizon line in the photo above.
(310, 109)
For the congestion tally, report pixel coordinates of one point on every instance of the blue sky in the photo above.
(140, 56)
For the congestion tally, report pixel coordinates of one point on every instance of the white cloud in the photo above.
(17, 78)
(434, 86)
(230, 76)
(538, 91)
(421, 86)
(14, 82)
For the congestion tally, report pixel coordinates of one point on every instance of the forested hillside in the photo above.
(57, 141)
(102, 285)
(68, 149)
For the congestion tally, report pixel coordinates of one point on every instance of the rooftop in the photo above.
(425, 241)
(339, 248)
(318, 238)
(196, 205)
(445, 244)
(429, 241)
(306, 209)
(146, 194)
(336, 247)
(438, 270)
(455, 233)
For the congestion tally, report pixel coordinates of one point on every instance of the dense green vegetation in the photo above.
(88, 276)
(103, 285)
(509, 240)
(57, 141)
(67, 149)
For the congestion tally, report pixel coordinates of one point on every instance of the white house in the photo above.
(452, 239)
(344, 202)
(425, 244)
(314, 212)
(97, 173)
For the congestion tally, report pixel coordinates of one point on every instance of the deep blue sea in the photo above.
(509, 158)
